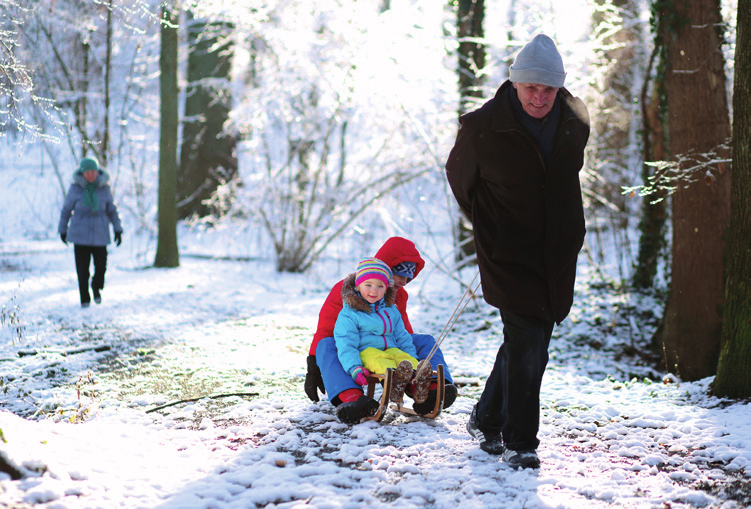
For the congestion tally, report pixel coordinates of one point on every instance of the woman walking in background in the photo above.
(90, 208)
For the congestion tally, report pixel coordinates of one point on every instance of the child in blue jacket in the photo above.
(370, 334)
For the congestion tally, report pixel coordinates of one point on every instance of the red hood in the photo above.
(398, 249)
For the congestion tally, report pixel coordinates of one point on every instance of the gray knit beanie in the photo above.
(539, 62)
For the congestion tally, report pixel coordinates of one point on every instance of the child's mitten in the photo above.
(359, 375)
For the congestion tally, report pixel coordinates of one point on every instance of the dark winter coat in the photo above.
(393, 252)
(527, 215)
(362, 325)
(87, 226)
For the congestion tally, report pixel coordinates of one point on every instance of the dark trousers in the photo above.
(83, 260)
(510, 402)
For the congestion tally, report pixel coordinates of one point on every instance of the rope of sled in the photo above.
(468, 294)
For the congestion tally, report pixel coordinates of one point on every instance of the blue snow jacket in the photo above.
(361, 325)
(89, 227)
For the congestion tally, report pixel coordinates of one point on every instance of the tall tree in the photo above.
(619, 37)
(734, 369)
(207, 154)
(698, 124)
(470, 15)
(167, 254)
(654, 208)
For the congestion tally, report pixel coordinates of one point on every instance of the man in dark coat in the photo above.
(514, 171)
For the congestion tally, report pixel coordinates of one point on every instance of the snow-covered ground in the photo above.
(79, 391)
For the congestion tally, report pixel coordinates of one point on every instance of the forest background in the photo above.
(305, 131)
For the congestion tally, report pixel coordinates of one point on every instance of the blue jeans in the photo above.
(336, 380)
(510, 402)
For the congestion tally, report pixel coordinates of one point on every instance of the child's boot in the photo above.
(352, 412)
(422, 380)
(402, 376)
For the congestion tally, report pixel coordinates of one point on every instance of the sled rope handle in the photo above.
(468, 294)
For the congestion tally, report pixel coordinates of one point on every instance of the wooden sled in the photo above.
(388, 383)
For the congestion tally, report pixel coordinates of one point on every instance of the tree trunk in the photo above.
(655, 205)
(734, 369)
(698, 122)
(207, 155)
(166, 251)
(104, 159)
(615, 78)
(470, 15)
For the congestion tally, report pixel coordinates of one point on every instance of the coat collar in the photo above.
(353, 299)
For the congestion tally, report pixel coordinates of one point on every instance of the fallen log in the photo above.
(191, 400)
(72, 351)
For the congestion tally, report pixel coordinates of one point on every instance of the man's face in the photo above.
(537, 100)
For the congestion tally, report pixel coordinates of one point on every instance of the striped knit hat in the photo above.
(372, 268)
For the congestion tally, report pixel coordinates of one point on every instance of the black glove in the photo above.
(62, 237)
(118, 238)
(313, 380)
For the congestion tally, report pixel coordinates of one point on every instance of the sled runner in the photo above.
(388, 382)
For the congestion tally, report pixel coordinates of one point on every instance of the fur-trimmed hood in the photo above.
(103, 178)
(353, 299)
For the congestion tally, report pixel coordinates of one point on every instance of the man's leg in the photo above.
(510, 402)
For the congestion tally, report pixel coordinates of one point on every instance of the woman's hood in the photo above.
(103, 178)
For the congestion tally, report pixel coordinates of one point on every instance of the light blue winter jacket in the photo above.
(361, 325)
(88, 227)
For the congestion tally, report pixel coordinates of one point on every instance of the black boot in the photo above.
(97, 295)
(429, 404)
(352, 412)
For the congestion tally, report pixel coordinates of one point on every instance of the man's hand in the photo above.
(313, 380)
(63, 237)
(118, 238)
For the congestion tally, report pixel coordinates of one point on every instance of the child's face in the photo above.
(372, 290)
(400, 281)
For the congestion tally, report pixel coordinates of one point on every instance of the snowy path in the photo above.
(605, 442)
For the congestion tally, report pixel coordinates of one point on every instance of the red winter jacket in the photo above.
(394, 251)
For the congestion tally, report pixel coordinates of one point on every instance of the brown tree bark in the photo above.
(734, 369)
(698, 122)
(655, 205)
(470, 15)
(207, 154)
(167, 254)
